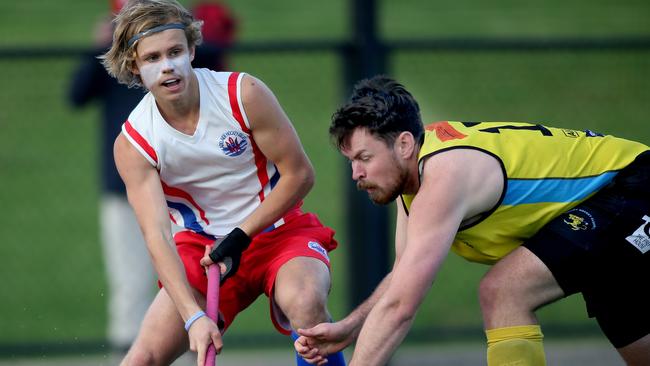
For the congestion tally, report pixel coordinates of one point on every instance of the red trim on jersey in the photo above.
(175, 192)
(234, 102)
(135, 135)
(260, 159)
(260, 162)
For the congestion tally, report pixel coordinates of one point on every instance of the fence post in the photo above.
(367, 224)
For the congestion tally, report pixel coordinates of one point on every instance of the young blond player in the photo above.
(215, 152)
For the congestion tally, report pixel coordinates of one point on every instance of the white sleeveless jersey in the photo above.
(215, 178)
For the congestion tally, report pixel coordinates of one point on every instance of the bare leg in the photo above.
(637, 353)
(514, 288)
(301, 288)
(162, 337)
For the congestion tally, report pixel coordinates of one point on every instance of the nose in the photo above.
(357, 171)
(167, 65)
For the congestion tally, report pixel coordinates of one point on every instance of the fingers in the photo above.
(307, 352)
(314, 332)
(217, 341)
(302, 346)
(206, 261)
(200, 357)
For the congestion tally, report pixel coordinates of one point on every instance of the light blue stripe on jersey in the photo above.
(521, 191)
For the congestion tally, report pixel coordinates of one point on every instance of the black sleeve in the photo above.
(88, 81)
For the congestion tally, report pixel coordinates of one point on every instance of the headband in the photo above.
(153, 30)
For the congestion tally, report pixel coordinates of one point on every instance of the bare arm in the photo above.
(356, 318)
(441, 204)
(147, 199)
(278, 141)
(327, 338)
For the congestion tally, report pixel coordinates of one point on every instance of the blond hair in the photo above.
(138, 16)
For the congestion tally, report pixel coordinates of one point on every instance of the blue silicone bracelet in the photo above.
(194, 317)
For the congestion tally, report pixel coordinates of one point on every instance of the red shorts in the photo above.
(301, 236)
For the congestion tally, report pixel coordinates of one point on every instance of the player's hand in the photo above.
(206, 259)
(314, 344)
(228, 250)
(203, 332)
(308, 351)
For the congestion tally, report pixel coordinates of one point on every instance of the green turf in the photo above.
(53, 283)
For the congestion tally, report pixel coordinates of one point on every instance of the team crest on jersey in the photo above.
(579, 219)
(318, 248)
(233, 143)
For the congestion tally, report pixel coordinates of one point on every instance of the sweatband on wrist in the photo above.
(194, 318)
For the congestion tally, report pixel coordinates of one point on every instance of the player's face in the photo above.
(164, 62)
(375, 166)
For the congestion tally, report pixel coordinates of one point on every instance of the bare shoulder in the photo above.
(128, 159)
(465, 162)
(475, 176)
(261, 105)
(122, 148)
(254, 90)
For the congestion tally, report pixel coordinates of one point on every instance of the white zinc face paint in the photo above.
(152, 73)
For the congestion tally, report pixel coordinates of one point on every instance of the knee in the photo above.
(491, 292)
(308, 308)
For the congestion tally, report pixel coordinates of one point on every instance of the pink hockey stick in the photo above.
(212, 307)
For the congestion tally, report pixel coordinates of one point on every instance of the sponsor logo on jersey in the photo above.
(571, 133)
(579, 219)
(640, 238)
(318, 248)
(233, 143)
(590, 133)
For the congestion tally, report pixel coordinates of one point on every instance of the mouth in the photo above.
(171, 83)
(365, 187)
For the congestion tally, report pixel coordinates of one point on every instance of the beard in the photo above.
(388, 194)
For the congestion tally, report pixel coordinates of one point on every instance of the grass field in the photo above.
(53, 283)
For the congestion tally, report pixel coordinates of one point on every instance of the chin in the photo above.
(380, 200)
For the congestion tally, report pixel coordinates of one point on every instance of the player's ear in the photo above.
(133, 67)
(405, 144)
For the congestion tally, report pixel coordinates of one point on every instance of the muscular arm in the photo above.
(355, 319)
(442, 202)
(327, 338)
(278, 141)
(147, 199)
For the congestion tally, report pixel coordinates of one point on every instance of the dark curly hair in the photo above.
(381, 105)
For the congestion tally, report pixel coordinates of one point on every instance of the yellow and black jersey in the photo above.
(547, 171)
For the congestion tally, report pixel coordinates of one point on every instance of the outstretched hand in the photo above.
(315, 344)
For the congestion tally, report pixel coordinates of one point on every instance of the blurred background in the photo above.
(577, 64)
